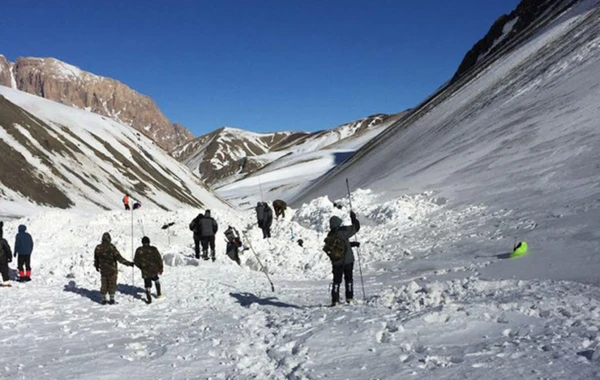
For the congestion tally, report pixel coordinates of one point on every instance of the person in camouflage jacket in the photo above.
(106, 256)
(148, 259)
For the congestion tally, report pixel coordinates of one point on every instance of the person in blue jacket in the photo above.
(23, 248)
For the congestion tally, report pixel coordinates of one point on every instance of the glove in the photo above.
(130, 264)
(352, 215)
(15, 254)
(97, 269)
(354, 244)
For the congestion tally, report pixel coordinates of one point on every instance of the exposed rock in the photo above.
(67, 84)
(5, 75)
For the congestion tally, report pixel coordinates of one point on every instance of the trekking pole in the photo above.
(132, 268)
(357, 248)
(259, 262)
(260, 188)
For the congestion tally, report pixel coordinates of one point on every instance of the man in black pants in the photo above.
(196, 227)
(23, 248)
(209, 228)
(344, 266)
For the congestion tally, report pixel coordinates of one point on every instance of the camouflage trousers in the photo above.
(108, 284)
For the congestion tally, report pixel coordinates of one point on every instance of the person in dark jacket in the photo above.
(344, 266)
(148, 259)
(5, 258)
(260, 214)
(233, 244)
(196, 226)
(23, 248)
(106, 256)
(209, 228)
(279, 206)
(267, 220)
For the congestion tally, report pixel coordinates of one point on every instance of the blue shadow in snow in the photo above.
(247, 299)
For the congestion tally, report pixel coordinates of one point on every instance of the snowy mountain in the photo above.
(64, 83)
(58, 156)
(228, 154)
(292, 166)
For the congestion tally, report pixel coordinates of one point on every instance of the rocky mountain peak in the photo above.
(67, 84)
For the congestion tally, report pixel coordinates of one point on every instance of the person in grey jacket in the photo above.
(345, 266)
(23, 248)
(209, 228)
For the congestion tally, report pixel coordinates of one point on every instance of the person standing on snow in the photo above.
(106, 256)
(126, 201)
(23, 248)
(209, 228)
(267, 221)
(344, 265)
(196, 226)
(260, 214)
(233, 244)
(148, 259)
(5, 258)
(279, 206)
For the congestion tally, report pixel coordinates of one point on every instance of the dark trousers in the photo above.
(266, 229)
(108, 284)
(206, 242)
(344, 271)
(126, 206)
(24, 260)
(197, 247)
(233, 251)
(4, 269)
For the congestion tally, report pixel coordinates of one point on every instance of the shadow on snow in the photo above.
(95, 295)
(247, 299)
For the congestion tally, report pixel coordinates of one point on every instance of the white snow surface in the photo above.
(519, 160)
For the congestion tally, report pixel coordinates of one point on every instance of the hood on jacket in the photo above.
(145, 240)
(207, 213)
(335, 222)
(22, 228)
(106, 237)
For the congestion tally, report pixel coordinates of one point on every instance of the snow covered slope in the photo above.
(57, 156)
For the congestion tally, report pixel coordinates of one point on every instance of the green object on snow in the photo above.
(521, 249)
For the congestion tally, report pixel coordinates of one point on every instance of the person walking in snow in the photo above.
(233, 244)
(23, 248)
(106, 257)
(209, 228)
(5, 258)
(339, 249)
(279, 206)
(196, 227)
(260, 214)
(148, 259)
(126, 201)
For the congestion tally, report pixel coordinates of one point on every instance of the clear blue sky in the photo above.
(259, 65)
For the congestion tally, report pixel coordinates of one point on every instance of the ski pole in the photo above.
(357, 248)
(259, 262)
(132, 254)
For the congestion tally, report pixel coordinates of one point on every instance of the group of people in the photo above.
(147, 258)
(127, 199)
(264, 215)
(23, 249)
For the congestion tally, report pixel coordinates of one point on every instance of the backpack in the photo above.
(335, 246)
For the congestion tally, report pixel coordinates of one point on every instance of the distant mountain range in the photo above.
(59, 81)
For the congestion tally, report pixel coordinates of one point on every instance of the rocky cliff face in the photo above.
(525, 19)
(55, 80)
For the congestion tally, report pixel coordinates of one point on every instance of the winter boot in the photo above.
(205, 255)
(335, 294)
(104, 301)
(349, 292)
(112, 299)
(6, 284)
(212, 255)
(148, 296)
(158, 292)
(21, 275)
(28, 275)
